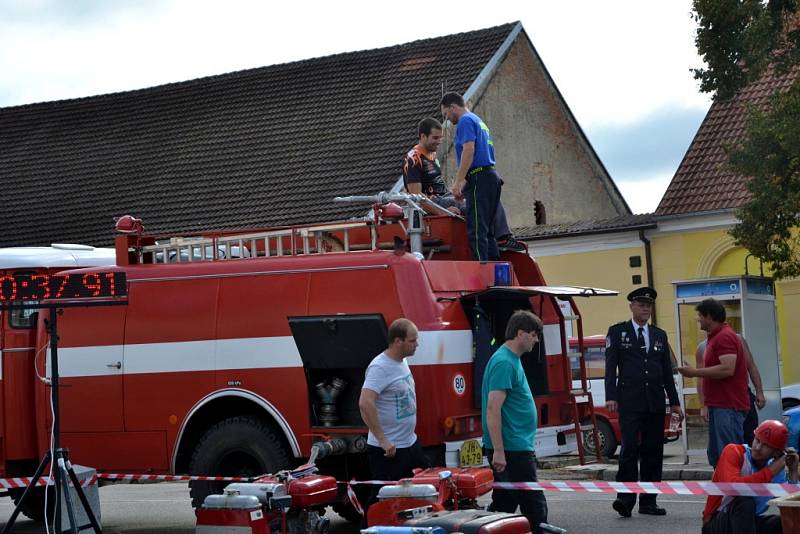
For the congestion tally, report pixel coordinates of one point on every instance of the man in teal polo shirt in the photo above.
(509, 420)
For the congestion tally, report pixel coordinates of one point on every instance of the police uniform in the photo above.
(638, 372)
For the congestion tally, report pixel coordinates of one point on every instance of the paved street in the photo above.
(164, 508)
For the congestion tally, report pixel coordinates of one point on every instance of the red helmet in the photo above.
(773, 434)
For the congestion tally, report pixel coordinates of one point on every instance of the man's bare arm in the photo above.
(415, 188)
(494, 419)
(724, 369)
(369, 413)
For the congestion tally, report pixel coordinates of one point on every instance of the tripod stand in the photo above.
(63, 471)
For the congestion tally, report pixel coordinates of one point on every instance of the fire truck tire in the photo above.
(238, 446)
(34, 504)
(608, 443)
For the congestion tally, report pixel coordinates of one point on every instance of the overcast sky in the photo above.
(622, 66)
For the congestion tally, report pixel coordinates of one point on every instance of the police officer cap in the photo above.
(643, 294)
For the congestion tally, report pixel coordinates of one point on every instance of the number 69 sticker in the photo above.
(459, 384)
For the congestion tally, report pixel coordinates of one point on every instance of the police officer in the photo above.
(638, 372)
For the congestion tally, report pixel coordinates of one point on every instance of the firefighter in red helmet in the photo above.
(766, 461)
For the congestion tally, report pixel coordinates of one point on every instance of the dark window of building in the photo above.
(539, 213)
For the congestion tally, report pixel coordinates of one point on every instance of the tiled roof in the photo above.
(260, 147)
(621, 223)
(703, 181)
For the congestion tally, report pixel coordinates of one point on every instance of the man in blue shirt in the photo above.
(422, 174)
(509, 420)
(477, 181)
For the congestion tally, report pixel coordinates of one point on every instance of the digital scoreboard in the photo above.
(22, 288)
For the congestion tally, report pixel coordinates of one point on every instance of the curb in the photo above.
(609, 472)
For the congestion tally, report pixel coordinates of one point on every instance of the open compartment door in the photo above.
(489, 310)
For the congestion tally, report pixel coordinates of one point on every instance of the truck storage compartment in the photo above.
(336, 350)
(488, 313)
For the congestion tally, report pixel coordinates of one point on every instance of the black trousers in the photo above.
(400, 466)
(751, 420)
(642, 455)
(482, 196)
(740, 518)
(520, 467)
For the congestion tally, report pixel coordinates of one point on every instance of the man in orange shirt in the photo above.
(765, 462)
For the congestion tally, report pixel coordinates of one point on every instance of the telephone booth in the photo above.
(750, 308)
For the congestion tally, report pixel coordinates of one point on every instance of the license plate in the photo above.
(470, 454)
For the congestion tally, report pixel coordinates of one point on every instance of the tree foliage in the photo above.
(740, 41)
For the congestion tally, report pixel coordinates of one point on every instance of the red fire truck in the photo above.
(239, 352)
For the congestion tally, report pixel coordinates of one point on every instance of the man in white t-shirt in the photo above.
(388, 405)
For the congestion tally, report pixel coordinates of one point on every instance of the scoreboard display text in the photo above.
(19, 288)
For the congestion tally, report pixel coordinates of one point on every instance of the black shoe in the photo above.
(510, 244)
(652, 509)
(622, 508)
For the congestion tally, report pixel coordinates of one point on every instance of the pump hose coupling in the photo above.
(328, 447)
(328, 393)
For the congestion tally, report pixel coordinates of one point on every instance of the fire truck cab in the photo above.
(243, 352)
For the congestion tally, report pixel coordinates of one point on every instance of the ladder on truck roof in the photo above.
(306, 240)
(312, 239)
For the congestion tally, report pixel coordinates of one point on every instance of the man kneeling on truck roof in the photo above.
(765, 462)
(423, 175)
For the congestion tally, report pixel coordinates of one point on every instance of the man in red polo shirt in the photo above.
(724, 379)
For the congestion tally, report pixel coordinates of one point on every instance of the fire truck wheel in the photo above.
(240, 446)
(34, 504)
(608, 443)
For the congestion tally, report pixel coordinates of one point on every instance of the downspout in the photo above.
(648, 259)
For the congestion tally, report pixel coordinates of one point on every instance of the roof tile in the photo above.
(222, 151)
(620, 223)
(703, 181)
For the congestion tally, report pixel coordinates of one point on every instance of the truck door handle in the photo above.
(117, 365)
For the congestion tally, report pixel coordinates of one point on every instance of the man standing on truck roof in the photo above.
(423, 175)
(641, 353)
(388, 405)
(509, 420)
(477, 181)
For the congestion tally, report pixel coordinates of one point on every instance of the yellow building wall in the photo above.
(712, 253)
(607, 269)
(677, 256)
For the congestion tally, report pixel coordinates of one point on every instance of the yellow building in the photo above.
(686, 238)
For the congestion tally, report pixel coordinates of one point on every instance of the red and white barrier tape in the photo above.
(583, 486)
(24, 482)
(351, 495)
(665, 488)
(169, 478)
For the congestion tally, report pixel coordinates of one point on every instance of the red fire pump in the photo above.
(443, 498)
(288, 502)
